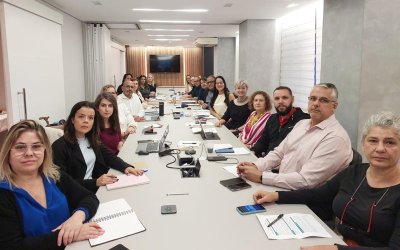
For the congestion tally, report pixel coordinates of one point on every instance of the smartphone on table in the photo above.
(250, 209)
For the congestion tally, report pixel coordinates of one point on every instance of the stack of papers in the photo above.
(292, 226)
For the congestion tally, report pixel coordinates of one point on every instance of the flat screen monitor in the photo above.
(165, 63)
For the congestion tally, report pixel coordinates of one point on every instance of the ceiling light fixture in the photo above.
(173, 10)
(167, 39)
(167, 35)
(292, 5)
(168, 21)
(167, 30)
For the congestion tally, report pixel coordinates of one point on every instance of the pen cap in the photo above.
(161, 108)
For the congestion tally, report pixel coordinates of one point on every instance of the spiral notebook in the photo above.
(117, 219)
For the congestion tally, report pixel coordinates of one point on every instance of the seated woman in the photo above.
(110, 133)
(144, 88)
(152, 85)
(221, 98)
(238, 110)
(260, 103)
(80, 154)
(41, 207)
(126, 122)
(364, 198)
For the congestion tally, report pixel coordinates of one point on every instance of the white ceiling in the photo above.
(219, 21)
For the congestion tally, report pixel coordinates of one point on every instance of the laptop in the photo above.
(152, 146)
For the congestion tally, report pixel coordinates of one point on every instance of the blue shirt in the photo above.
(38, 220)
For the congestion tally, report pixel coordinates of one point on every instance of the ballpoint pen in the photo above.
(274, 221)
(178, 194)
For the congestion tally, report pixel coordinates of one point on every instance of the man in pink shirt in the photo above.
(315, 151)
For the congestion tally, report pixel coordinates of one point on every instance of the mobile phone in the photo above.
(250, 209)
(168, 209)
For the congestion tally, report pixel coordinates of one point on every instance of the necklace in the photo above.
(371, 211)
(241, 102)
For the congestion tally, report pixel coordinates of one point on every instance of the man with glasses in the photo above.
(315, 151)
(209, 94)
(279, 124)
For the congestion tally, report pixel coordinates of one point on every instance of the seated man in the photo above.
(279, 124)
(209, 93)
(315, 151)
(131, 100)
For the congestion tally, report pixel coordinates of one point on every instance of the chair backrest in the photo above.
(357, 158)
(53, 133)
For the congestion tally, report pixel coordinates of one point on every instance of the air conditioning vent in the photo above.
(206, 42)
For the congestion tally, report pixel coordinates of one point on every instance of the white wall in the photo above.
(72, 45)
(34, 54)
(108, 77)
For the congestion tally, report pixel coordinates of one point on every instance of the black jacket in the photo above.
(11, 230)
(274, 134)
(70, 159)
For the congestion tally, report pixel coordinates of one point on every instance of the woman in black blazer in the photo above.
(80, 153)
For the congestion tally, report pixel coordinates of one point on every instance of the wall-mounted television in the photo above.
(165, 63)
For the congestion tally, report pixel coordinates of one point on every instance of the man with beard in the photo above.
(312, 153)
(279, 124)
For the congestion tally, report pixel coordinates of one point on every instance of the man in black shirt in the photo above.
(279, 124)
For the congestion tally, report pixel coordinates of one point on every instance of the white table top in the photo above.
(207, 217)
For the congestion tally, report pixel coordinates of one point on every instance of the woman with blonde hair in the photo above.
(40, 208)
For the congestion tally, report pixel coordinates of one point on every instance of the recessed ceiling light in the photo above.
(168, 35)
(168, 21)
(292, 5)
(167, 30)
(167, 39)
(172, 10)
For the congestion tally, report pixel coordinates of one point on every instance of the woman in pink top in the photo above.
(110, 131)
(260, 103)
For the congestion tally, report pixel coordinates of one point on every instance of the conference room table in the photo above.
(206, 217)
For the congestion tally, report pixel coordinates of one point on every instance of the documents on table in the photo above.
(194, 124)
(128, 180)
(117, 219)
(292, 226)
(232, 169)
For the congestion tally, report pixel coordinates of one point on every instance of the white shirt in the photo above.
(220, 105)
(133, 104)
(125, 118)
(88, 155)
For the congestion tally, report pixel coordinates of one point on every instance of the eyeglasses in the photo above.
(21, 148)
(323, 100)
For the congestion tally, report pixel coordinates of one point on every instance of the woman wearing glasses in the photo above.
(365, 198)
(40, 208)
(81, 155)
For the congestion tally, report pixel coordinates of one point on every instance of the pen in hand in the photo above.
(274, 221)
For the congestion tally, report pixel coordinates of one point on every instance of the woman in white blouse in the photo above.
(220, 101)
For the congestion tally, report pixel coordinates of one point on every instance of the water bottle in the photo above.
(161, 108)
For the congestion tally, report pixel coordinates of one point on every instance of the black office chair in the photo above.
(357, 158)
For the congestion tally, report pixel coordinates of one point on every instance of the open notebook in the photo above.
(117, 219)
(128, 180)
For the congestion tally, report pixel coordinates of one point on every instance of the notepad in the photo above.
(128, 180)
(292, 226)
(117, 219)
